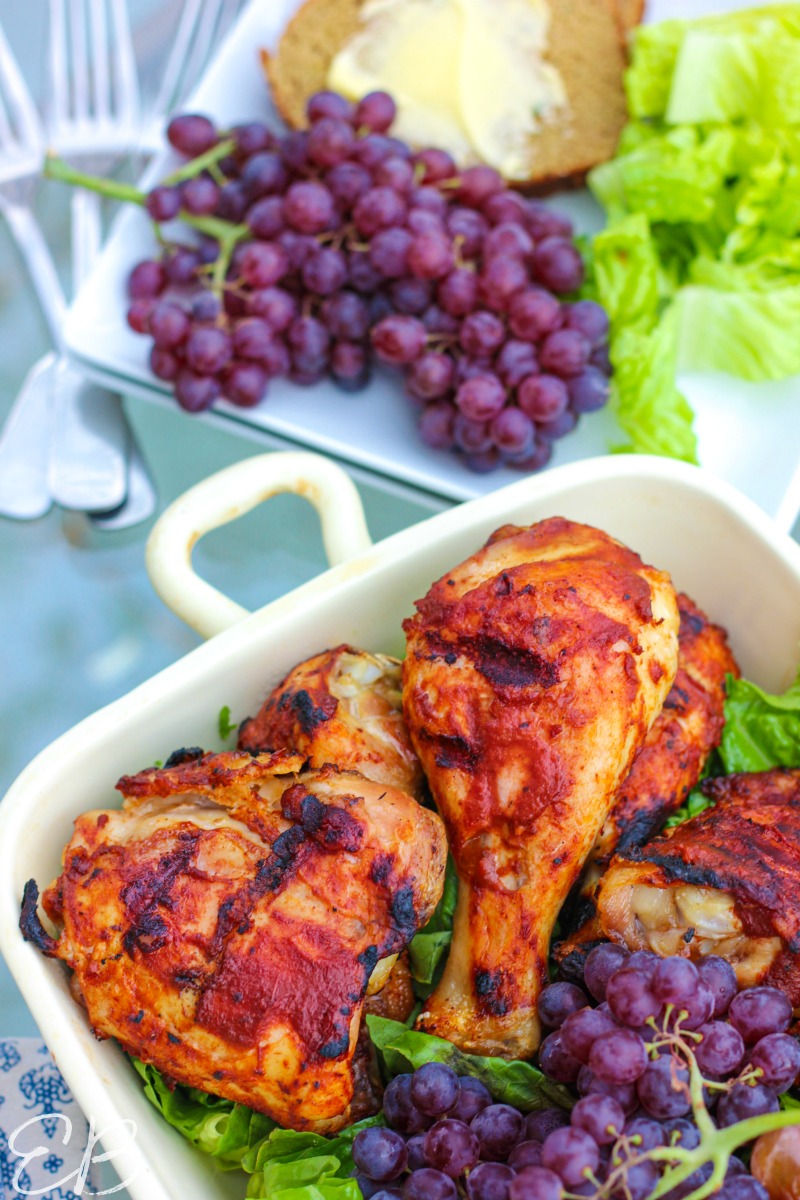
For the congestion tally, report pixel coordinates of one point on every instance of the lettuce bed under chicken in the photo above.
(287, 1165)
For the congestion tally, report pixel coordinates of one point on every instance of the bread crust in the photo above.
(591, 66)
(629, 14)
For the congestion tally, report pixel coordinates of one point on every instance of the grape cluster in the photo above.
(447, 1138)
(324, 249)
(666, 1056)
(669, 1053)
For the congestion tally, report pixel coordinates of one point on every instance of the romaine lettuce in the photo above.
(761, 730)
(429, 947)
(700, 264)
(510, 1082)
(719, 68)
(754, 335)
(221, 1128)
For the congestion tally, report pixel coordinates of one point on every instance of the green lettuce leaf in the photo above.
(648, 80)
(285, 1164)
(428, 948)
(224, 723)
(315, 1178)
(673, 178)
(718, 69)
(289, 1146)
(645, 398)
(517, 1083)
(221, 1128)
(753, 335)
(700, 264)
(761, 730)
(696, 803)
(723, 76)
(628, 281)
(625, 273)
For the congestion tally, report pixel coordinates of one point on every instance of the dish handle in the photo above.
(229, 494)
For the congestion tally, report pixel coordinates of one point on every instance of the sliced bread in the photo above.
(585, 44)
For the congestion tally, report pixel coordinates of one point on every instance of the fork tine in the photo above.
(100, 76)
(58, 98)
(27, 129)
(170, 88)
(6, 134)
(80, 67)
(199, 52)
(123, 65)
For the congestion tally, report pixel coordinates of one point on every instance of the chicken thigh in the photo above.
(343, 706)
(534, 672)
(726, 882)
(224, 925)
(664, 771)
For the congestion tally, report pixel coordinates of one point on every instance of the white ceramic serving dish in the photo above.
(718, 545)
(748, 434)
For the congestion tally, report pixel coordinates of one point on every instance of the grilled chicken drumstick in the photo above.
(534, 671)
(225, 923)
(725, 882)
(343, 706)
(665, 770)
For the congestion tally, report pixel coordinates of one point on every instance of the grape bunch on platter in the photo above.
(677, 1073)
(320, 251)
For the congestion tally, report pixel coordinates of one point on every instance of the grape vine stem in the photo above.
(225, 233)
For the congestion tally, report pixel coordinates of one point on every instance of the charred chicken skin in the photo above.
(726, 882)
(225, 924)
(343, 706)
(667, 767)
(534, 672)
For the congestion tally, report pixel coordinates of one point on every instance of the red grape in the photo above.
(163, 203)
(191, 134)
(245, 384)
(399, 339)
(379, 1153)
(328, 104)
(376, 112)
(434, 1089)
(558, 264)
(146, 280)
(308, 206)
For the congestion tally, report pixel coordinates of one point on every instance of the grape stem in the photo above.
(717, 1149)
(203, 162)
(225, 233)
(716, 1145)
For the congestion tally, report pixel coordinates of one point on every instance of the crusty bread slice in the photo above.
(585, 44)
(630, 13)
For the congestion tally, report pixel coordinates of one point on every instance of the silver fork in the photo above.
(22, 143)
(202, 25)
(24, 441)
(92, 113)
(92, 116)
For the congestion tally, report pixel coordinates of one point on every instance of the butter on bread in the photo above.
(585, 45)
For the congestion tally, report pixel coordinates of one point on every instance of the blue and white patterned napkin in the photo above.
(44, 1136)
